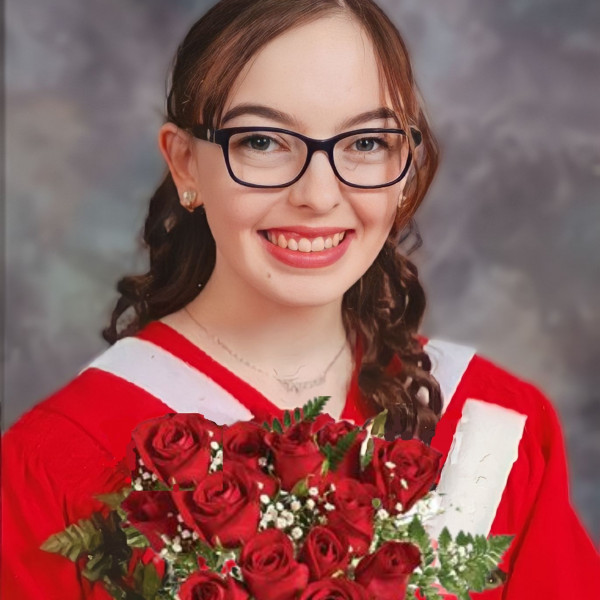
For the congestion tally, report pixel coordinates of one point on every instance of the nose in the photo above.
(318, 188)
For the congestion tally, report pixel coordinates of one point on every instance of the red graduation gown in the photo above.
(62, 453)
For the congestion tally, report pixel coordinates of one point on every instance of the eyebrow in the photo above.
(371, 115)
(259, 110)
(267, 112)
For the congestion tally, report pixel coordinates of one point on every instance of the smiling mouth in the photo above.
(298, 243)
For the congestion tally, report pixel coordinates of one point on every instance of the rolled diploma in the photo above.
(484, 448)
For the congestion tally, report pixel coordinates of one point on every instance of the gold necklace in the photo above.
(290, 384)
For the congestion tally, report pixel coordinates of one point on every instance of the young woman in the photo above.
(297, 151)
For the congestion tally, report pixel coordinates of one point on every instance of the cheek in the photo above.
(377, 214)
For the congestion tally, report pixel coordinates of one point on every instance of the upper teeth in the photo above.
(305, 244)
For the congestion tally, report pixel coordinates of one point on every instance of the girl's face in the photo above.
(319, 79)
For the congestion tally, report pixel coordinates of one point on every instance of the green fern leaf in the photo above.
(99, 565)
(335, 454)
(287, 418)
(135, 539)
(79, 538)
(313, 408)
(114, 500)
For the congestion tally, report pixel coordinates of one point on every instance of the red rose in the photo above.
(403, 471)
(321, 421)
(269, 569)
(331, 433)
(295, 454)
(335, 589)
(324, 552)
(224, 507)
(175, 447)
(245, 442)
(354, 513)
(385, 573)
(152, 514)
(210, 586)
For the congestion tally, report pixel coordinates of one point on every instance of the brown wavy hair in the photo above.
(385, 307)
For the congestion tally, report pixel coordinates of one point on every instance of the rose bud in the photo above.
(295, 454)
(175, 447)
(336, 588)
(269, 569)
(403, 471)
(224, 508)
(152, 514)
(210, 586)
(385, 573)
(324, 552)
(353, 514)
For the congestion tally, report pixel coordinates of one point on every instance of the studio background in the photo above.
(511, 227)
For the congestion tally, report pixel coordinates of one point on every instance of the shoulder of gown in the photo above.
(551, 556)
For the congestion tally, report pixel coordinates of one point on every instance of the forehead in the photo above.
(321, 73)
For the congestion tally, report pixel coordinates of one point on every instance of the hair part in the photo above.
(385, 307)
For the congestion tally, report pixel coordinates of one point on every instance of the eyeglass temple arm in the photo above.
(202, 132)
(417, 136)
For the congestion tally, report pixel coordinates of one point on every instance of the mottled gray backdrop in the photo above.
(511, 259)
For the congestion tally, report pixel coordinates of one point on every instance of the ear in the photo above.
(176, 146)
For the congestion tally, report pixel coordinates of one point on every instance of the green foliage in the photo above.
(134, 538)
(335, 454)
(104, 544)
(367, 457)
(99, 564)
(300, 489)
(297, 415)
(309, 412)
(469, 563)
(80, 538)
(427, 576)
(287, 418)
(151, 581)
(313, 408)
(378, 427)
(115, 499)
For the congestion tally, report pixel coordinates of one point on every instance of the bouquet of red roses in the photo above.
(307, 508)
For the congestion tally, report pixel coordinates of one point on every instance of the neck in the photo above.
(267, 332)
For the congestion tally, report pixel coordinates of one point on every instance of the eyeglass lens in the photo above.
(275, 158)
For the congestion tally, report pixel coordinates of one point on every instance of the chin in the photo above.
(308, 293)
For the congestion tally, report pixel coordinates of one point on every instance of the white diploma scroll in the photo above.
(484, 448)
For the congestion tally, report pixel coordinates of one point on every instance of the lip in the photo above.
(308, 260)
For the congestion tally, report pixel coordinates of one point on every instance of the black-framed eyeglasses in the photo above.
(270, 157)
